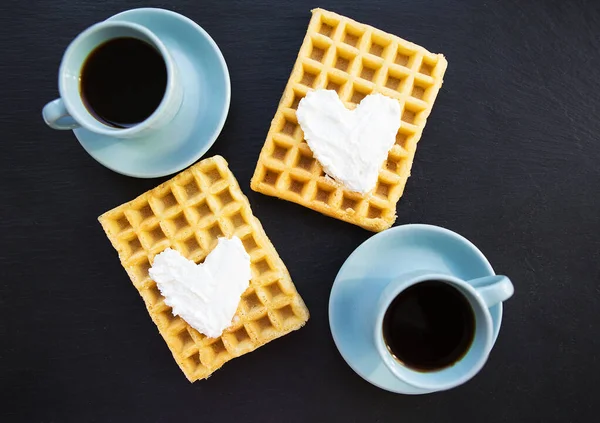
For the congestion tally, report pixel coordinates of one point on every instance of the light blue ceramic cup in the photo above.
(69, 111)
(481, 294)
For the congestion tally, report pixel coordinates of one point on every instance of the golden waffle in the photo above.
(355, 60)
(188, 213)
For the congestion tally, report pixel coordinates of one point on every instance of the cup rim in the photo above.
(81, 114)
(391, 363)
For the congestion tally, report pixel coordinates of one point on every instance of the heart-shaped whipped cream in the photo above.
(205, 295)
(351, 145)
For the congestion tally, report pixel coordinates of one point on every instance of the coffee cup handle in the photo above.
(493, 289)
(56, 115)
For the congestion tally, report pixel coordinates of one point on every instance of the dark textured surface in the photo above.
(510, 159)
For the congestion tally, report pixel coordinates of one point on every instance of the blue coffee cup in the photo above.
(70, 112)
(481, 294)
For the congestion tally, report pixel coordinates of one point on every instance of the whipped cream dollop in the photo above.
(351, 145)
(205, 295)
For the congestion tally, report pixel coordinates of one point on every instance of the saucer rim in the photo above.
(394, 231)
(210, 139)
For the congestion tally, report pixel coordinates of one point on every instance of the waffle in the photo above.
(189, 213)
(355, 60)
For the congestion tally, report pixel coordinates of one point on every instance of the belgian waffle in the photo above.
(354, 60)
(189, 213)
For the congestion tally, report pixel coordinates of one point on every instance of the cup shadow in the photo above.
(352, 311)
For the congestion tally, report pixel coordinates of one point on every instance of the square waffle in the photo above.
(189, 213)
(355, 60)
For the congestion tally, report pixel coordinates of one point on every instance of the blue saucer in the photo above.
(207, 92)
(371, 266)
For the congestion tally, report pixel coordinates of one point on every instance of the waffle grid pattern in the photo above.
(355, 60)
(189, 213)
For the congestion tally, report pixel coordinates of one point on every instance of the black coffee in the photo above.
(429, 326)
(123, 81)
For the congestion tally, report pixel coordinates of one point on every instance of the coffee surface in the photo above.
(429, 326)
(123, 81)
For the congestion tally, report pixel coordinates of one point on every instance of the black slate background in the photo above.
(509, 159)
